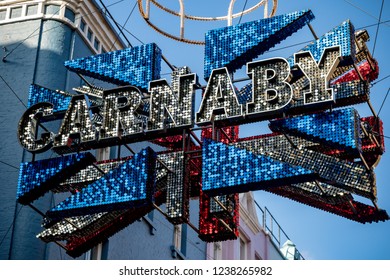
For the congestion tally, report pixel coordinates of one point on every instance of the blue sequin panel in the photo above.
(38, 177)
(37, 94)
(133, 66)
(342, 35)
(228, 169)
(338, 129)
(244, 95)
(131, 184)
(234, 46)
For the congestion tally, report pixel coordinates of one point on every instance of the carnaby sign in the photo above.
(172, 108)
(320, 152)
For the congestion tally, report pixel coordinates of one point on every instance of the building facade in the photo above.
(36, 37)
(260, 238)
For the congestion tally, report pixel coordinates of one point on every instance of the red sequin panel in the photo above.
(214, 228)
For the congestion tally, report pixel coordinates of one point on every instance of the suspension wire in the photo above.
(131, 12)
(10, 165)
(377, 28)
(121, 28)
(384, 100)
(115, 22)
(373, 84)
(243, 9)
(173, 68)
(135, 37)
(131, 34)
(290, 46)
(364, 11)
(117, 37)
(375, 24)
(9, 228)
(20, 100)
(309, 41)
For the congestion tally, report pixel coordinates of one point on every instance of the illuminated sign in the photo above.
(319, 153)
(172, 108)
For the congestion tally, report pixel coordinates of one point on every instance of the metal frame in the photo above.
(145, 13)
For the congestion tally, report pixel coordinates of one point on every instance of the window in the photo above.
(32, 10)
(183, 245)
(96, 252)
(105, 250)
(179, 248)
(52, 9)
(149, 220)
(96, 44)
(3, 13)
(151, 215)
(217, 255)
(89, 34)
(177, 237)
(243, 249)
(69, 14)
(82, 25)
(100, 251)
(16, 12)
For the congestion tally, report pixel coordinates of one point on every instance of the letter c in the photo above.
(28, 128)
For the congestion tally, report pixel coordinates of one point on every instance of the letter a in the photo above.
(219, 100)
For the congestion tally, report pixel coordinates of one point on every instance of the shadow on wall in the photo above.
(23, 66)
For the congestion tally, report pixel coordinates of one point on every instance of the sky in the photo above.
(317, 234)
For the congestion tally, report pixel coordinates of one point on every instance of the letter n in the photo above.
(172, 107)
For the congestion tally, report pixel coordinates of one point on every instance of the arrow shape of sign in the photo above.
(349, 176)
(228, 169)
(129, 185)
(233, 46)
(348, 208)
(38, 177)
(75, 247)
(337, 129)
(135, 66)
(102, 225)
(60, 100)
(92, 224)
(342, 35)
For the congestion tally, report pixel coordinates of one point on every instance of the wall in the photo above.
(258, 244)
(17, 72)
(144, 245)
(40, 60)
